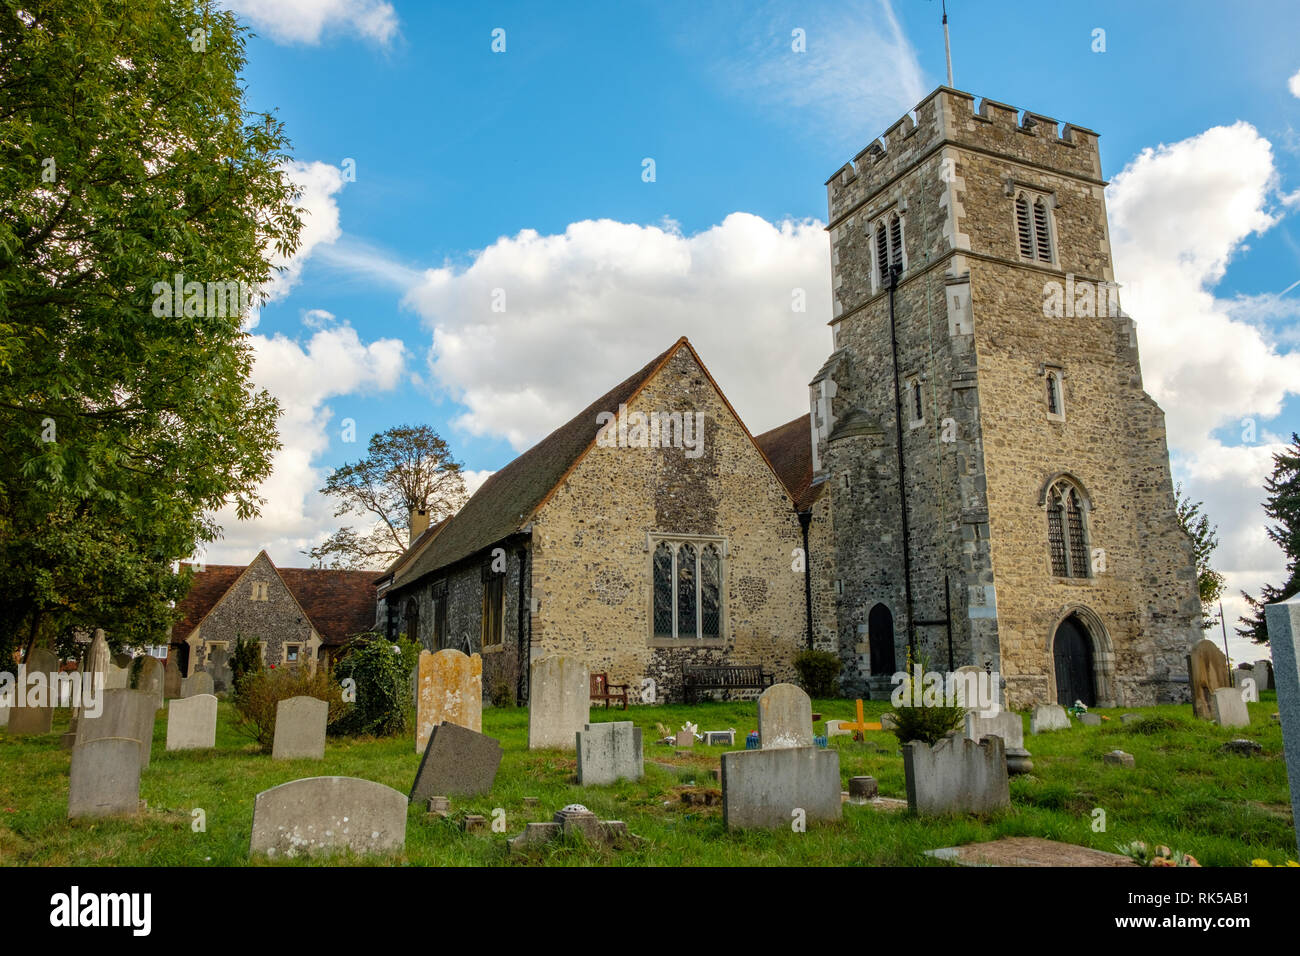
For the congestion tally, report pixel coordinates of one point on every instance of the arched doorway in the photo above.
(880, 635)
(1072, 656)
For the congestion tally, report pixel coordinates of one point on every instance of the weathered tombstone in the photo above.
(833, 729)
(200, 682)
(888, 721)
(1011, 728)
(559, 702)
(1129, 718)
(956, 775)
(26, 719)
(300, 730)
(150, 680)
(451, 690)
(1048, 717)
(95, 672)
(457, 762)
(192, 723)
(1283, 622)
(124, 713)
(1119, 758)
(119, 672)
(1090, 720)
(768, 788)
(1207, 671)
(685, 739)
(784, 718)
(219, 667)
(319, 814)
(1264, 674)
(1242, 673)
(172, 676)
(1228, 709)
(608, 752)
(105, 778)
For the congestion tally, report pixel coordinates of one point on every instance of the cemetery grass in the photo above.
(1225, 810)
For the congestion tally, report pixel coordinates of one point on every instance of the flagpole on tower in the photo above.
(947, 46)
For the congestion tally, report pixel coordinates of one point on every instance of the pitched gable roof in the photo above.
(206, 589)
(506, 501)
(789, 448)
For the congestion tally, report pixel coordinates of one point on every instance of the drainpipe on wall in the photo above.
(902, 488)
(805, 519)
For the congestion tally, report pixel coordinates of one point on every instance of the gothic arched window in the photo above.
(663, 590)
(1066, 530)
(686, 588)
(888, 242)
(1033, 227)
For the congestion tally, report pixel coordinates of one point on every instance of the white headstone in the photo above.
(784, 718)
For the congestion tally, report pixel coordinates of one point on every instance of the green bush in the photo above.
(261, 690)
(818, 672)
(382, 687)
(245, 661)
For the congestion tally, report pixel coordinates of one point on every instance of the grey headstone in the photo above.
(888, 721)
(124, 713)
(457, 762)
(150, 680)
(576, 818)
(763, 788)
(172, 676)
(1264, 674)
(319, 814)
(200, 682)
(192, 723)
(1048, 717)
(105, 778)
(784, 718)
(956, 775)
(608, 752)
(25, 720)
(97, 662)
(1283, 622)
(1090, 720)
(1241, 674)
(1228, 709)
(118, 676)
(1129, 718)
(1119, 758)
(559, 702)
(300, 730)
(1008, 725)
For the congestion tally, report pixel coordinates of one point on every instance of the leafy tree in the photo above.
(126, 414)
(1283, 506)
(1209, 582)
(406, 467)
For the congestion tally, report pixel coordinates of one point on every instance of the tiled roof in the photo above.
(506, 501)
(789, 448)
(205, 591)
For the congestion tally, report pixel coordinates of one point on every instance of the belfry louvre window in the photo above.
(687, 589)
(1066, 535)
(1033, 228)
(888, 252)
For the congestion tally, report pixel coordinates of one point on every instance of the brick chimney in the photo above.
(419, 522)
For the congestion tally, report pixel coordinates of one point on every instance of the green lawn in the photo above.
(1225, 810)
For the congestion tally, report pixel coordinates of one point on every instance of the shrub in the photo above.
(260, 692)
(818, 672)
(246, 659)
(501, 676)
(926, 723)
(382, 687)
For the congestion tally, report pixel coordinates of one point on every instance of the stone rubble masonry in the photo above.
(322, 814)
(971, 329)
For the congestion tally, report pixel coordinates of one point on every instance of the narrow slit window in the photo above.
(1042, 234)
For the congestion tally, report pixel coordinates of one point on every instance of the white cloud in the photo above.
(474, 479)
(587, 308)
(333, 364)
(1180, 214)
(318, 183)
(1293, 84)
(304, 21)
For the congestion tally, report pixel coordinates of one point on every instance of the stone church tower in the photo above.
(981, 360)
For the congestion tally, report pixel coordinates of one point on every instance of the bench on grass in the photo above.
(602, 689)
(725, 677)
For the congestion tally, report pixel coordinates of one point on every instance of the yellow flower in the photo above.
(1260, 863)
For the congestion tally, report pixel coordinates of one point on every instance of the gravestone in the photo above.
(450, 689)
(1090, 720)
(1129, 718)
(1228, 709)
(956, 775)
(320, 814)
(833, 729)
(1264, 674)
(24, 719)
(1283, 622)
(784, 718)
(98, 659)
(119, 672)
(1119, 758)
(1011, 728)
(1207, 671)
(968, 686)
(125, 713)
(219, 667)
(1243, 672)
(105, 778)
(685, 739)
(765, 788)
(300, 730)
(150, 680)
(172, 676)
(457, 762)
(559, 702)
(608, 752)
(722, 738)
(192, 723)
(200, 682)
(1048, 717)
(888, 721)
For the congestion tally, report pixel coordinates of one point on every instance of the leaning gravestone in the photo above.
(457, 762)
(319, 814)
(105, 778)
(608, 752)
(119, 672)
(1229, 709)
(150, 680)
(172, 676)
(559, 702)
(1011, 728)
(1048, 717)
(764, 788)
(956, 775)
(39, 719)
(450, 689)
(200, 682)
(124, 713)
(192, 723)
(300, 729)
(784, 718)
(1207, 671)
(1283, 622)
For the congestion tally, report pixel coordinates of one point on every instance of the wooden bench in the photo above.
(602, 689)
(723, 677)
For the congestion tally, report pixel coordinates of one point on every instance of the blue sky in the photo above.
(522, 171)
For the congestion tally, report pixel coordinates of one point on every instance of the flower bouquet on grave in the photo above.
(1078, 709)
(1143, 855)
